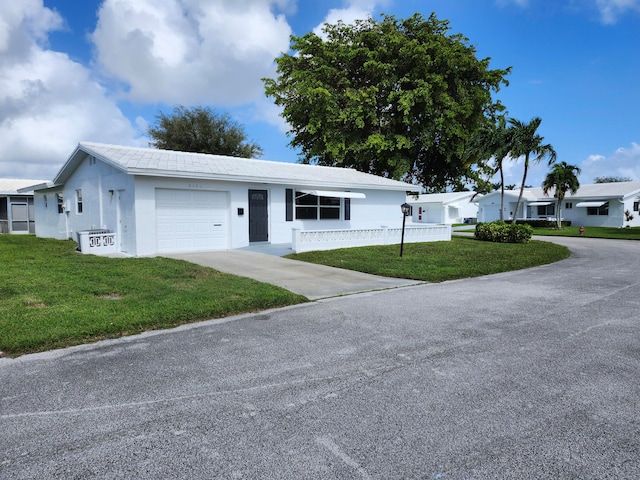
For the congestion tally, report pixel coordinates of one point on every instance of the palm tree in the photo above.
(492, 142)
(524, 141)
(561, 179)
(501, 145)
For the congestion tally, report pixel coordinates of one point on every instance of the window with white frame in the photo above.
(311, 207)
(601, 210)
(568, 205)
(79, 201)
(60, 199)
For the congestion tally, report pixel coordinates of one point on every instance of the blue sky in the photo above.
(100, 70)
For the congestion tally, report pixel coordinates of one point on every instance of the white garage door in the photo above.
(188, 220)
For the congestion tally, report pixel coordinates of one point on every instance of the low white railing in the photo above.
(97, 242)
(306, 240)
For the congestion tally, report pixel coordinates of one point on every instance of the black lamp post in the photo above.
(406, 209)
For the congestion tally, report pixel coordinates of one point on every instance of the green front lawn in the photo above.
(52, 296)
(438, 261)
(632, 233)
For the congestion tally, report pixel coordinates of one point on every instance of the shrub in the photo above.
(502, 232)
(539, 223)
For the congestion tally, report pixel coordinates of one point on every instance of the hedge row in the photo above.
(543, 223)
(502, 232)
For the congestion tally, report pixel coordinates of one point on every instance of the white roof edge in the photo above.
(151, 162)
(590, 204)
(333, 193)
(276, 181)
(33, 188)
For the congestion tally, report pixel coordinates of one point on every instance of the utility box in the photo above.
(97, 242)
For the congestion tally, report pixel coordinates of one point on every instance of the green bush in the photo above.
(539, 223)
(502, 232)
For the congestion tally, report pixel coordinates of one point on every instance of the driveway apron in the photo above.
(312, 281)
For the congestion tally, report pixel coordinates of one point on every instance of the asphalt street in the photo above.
(528, 374)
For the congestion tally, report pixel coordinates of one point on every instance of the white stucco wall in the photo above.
(126, 204)
(433, 212)
(490, 210)
(49, 224)
(103, 187)
(380, 208)
(616, 218)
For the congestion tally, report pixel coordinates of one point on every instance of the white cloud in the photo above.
(191, 51)
(624, 162)
(352, 11)
(264, 110)
(48, 103)
(25, 19)
(610, 10)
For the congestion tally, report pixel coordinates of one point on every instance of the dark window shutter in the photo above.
(347, 209)
(289, 205)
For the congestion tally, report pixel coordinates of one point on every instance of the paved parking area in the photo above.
(528, 374)
(312, 281)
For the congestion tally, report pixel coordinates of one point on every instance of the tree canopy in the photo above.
(524, 140)
(561, 179)
(397, 98)
(490, 145)
(202, 130)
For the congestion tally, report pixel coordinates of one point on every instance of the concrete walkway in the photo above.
(312, 281)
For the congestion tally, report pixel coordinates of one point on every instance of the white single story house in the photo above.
(16, 208)
(596, 205)
(447, 208)
(143, 201)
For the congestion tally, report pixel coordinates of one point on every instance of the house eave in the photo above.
(265, 181)
(38, 187)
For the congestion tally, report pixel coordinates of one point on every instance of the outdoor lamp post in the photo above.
(406, 209)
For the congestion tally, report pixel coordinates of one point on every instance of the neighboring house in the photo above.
(596, 205)
(16, 208)
(159, 201)
(447, 208)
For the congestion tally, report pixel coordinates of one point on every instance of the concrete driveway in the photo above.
(312, 281)
(528, 374)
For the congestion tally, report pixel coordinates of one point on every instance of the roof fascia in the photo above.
(71, 164)
(271, 181)
(633, 193)
(33, 188)
(102, 158)
(74, 161)
(507, 193)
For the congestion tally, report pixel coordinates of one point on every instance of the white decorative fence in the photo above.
(97, 242)
(306, 240)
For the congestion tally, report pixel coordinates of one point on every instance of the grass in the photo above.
(462, 257)
(632, 233)
(52, 296)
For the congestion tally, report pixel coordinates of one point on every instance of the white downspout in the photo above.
(100, 203)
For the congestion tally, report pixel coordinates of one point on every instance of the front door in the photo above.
(258, 217)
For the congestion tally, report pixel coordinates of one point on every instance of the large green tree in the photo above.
(397, 98)
(202, 130)
(525, 141)
(562, 178)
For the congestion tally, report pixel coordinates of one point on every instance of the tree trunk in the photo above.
(501, 193)
(558, 214)
(524, 178)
